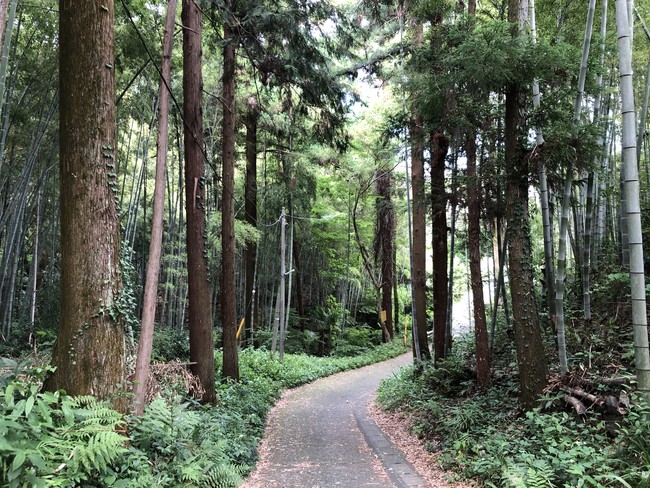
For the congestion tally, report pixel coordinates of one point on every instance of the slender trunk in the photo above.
(199, 294)
(474, 251)
(282, 289)
(250, 207)
(566, 201)
(5, 37)
(300, 298)
(633, 209)
(155, 246)
(439, 148)
(419, 239)
(363, 187)
(228, 305)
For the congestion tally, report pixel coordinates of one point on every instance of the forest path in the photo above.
(319, 436)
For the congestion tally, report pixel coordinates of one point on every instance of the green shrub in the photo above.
(170, 344)
(51, 439)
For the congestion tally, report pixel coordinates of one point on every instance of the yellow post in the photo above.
(241, 325)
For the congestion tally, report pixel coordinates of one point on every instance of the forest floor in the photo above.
(329, 434)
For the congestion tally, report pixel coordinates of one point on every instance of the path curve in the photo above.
(319, 436)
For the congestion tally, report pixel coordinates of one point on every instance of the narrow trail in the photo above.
(319, 436)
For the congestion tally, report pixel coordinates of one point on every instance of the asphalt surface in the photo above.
(320, 436)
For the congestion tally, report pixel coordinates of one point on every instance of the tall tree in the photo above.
(474, 251)
(199, 294)
(439, 148)
(528, 340)
(419, 235)
(384, 244)
(633, 207)
(89, 350)
(228, 296)
(155, 246)
(250, 207)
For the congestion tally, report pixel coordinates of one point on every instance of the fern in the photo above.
(224, 476)
(538, 474)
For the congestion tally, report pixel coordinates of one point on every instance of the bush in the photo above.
(170, 344)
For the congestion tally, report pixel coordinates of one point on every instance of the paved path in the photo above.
(320, 436)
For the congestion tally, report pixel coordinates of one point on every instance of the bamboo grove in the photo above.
(280, 173)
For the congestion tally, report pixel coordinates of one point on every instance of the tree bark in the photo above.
(474, 251)
(250, 207)
(528, 340)
(385, 233)
(199, 293)
(155, 246)
(228, 300)
(419, 235)
(439, 148)
(89, 350)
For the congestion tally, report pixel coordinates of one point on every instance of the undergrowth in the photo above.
(486, 437)
(52, 439)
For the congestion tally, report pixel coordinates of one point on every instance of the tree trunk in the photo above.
(199, 294)
(419, 237)
(228, 300)
(155, 246)
(89, 350)
(385, 232)
(300, 299)
(566, 200)
(474, 251)
(439, 148)
(528, 339)
(250, 207)
(630, 171)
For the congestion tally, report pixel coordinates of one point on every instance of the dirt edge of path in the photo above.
(397, 427)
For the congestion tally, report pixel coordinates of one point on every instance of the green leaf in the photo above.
(18, 461)
(29, 404)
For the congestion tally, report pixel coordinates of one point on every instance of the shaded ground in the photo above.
(320, 436)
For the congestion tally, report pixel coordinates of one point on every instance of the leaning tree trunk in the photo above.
(528, 340)
(630, 171)
(150, 299)
(439, 148)
(228, 303)
(89, 350)
(199, 295)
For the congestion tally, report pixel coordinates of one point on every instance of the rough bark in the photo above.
(199, 293)
(528, 340)
(89, 351)
(385, 232)
(419, 235)
(474, 251)
(439, 148)
(228, 298)
(155, 246)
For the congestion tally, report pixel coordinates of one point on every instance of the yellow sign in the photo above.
(382, 316)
